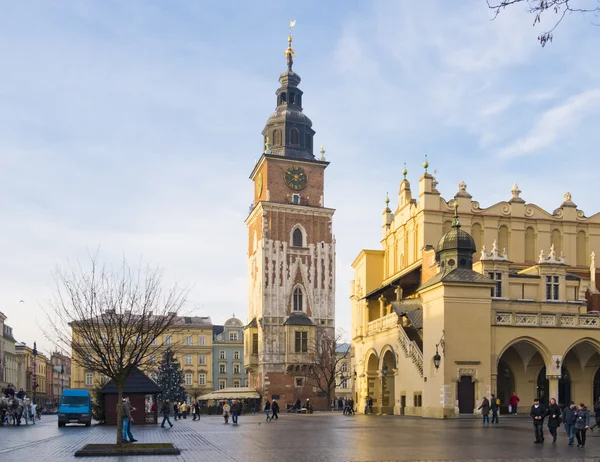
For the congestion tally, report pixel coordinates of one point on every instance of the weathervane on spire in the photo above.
(289, 52)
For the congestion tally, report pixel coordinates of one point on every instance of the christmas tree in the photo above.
(170, 378)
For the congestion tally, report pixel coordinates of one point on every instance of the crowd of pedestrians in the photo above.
(574, 418)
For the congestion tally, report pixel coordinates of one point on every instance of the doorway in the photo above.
(466, 395)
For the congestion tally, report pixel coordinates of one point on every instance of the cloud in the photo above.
(554, 123)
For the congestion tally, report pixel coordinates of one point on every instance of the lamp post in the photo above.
(34, 371)
(62, 371)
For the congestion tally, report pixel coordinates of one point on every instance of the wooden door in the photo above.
(466, 395)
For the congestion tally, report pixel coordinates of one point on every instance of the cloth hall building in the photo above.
(463, 301)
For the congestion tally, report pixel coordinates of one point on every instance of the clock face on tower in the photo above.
(295, 178)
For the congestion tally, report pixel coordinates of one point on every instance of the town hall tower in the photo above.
(291, 253)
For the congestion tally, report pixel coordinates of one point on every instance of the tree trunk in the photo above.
(119, 414)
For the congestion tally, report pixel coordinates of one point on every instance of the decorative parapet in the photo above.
(551, 259)
(584, 321)
(494, 254)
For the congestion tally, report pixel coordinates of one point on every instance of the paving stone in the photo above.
(326, 437)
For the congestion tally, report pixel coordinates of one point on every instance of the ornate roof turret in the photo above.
(456, 248)
(289, 130)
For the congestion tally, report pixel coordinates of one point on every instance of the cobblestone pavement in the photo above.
(325, 437)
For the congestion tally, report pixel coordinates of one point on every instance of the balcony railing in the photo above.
(584, 321)
(382, 324)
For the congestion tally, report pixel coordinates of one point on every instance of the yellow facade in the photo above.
(520, 315)
(190, 338)
(31, 370)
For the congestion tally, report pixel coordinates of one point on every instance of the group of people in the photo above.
(180, 411)
(487, 405)
(576, 420)
(9, 392)
(272, 408)
(234, 410)
(346, 405)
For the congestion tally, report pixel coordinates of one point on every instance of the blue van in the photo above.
(75, 407)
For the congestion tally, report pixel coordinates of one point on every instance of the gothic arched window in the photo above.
(297, 238)
(294, 137)
(277, 137)
(292, 98)
(298, 299)
(282, 98)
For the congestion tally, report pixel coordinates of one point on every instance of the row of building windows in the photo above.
(552, 286)
(293, 137)
(235, 383)
(223, 368)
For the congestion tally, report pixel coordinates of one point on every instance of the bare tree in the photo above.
(113, 321)
(540, 8)
(325, 359)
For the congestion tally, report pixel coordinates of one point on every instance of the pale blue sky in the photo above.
(134, 125)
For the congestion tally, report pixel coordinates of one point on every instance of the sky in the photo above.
(131, 128)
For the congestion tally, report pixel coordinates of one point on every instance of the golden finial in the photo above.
(387, 199)
(289, 52)
(425, 164)
(455, 222)
(404, 171)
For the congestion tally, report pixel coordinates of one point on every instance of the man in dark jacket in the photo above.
(165, 410)
(495, 406)
(275, 410)
(537, 413)
(569, 418)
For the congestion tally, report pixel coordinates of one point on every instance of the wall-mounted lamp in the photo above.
(437, 359)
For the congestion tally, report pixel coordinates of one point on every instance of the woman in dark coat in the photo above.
(554, 418)
(485, 410)
(582, 424)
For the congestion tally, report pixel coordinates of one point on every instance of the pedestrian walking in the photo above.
(352, 406)
(495, 403)
(125, 415)
(165, 410)
(196, 411)
(275, 409)
(370, 404)
(226, 412)
(129, 409)
(184, 409)
(569, 417)
(582, 424)
(268, 409)
(537, 413)
(596, 414)
(175, 410)
(513, 403)
(235, 411)
(485, 410)
(554, 418)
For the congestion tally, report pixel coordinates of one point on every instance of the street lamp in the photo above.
(34, 371)
(437, 359)
(62, 371)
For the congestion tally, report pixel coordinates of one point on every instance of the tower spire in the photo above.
(289, 52)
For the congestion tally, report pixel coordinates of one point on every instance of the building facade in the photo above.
(2, 380)
(228, 355)
(291, 252)
(344, 378)
(31, 372)
(9, 363)
(497, 300)
(59, 375)
(190, 338)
